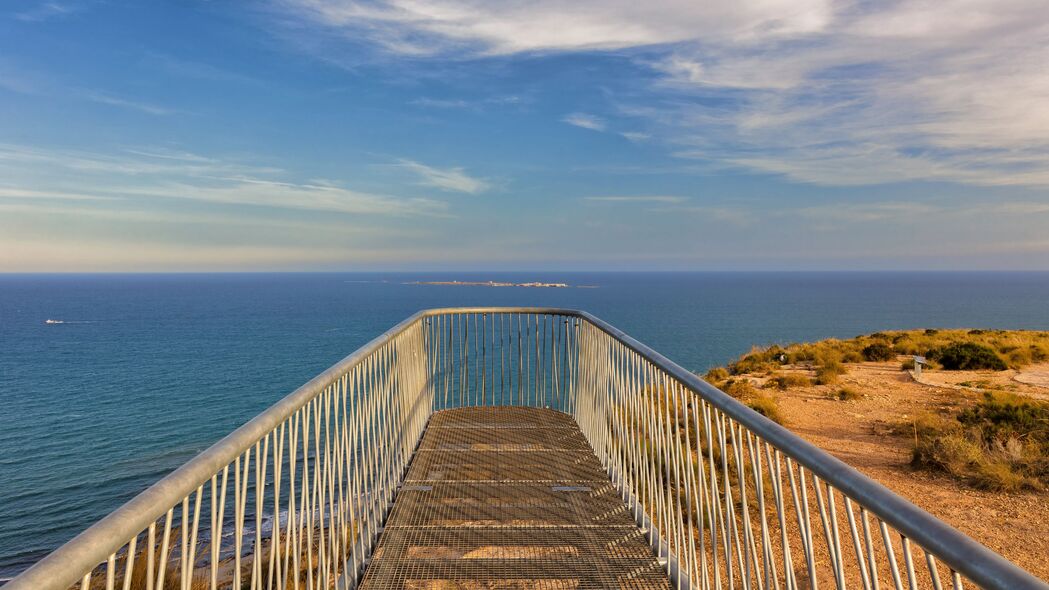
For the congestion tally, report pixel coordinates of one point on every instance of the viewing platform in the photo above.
(509, 498)
(516, 449)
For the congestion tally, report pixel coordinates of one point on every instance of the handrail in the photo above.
(88, 548)
(380, 387)
(956, 549)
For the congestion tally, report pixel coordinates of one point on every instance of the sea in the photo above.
(137, 373)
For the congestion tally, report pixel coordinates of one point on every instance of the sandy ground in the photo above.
(861, 433)
(1037, 376)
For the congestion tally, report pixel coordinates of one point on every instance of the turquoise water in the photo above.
(147, 370)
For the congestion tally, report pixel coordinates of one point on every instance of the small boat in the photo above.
(54, 322)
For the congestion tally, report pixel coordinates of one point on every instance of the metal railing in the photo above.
(296, 498)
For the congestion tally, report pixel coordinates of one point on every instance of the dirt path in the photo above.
(863, 434)
(1037, 375)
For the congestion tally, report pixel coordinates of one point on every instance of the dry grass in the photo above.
(1018, 348)
(756, 399)
(829, 370)
(785, 381)
(999, 443)
(846, 394)
(766, 405)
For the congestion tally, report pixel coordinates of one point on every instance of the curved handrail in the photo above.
(82, 553)
(964, 555)
(961, 552)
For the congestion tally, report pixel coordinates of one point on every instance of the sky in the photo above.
(271, 135)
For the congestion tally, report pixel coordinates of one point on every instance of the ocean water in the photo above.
(145, 371)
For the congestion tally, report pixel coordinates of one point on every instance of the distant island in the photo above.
(492, 284)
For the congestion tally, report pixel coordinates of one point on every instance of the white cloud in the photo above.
(473, 103)
(441, 103)
(286, 195)
(28, 193)
(114, 101)
(46, 10)
(417, 27)
(636, 136)
(585, 121)
(830, 92)
(638, 199)
(158, 173)
(446, 179)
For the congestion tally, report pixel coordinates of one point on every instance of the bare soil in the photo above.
(871, 435)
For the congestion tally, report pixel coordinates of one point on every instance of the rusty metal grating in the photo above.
(509, 499)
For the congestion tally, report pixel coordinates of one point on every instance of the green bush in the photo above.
(878, 352)
(907, 365)
(1001, 443)
(1003, 415)
(967, 356)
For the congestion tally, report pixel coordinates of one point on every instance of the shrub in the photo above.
(1018, 358)
(967, 356)
(766, 406)
(846, 394)
(788, 380)
(1039, 353)
(1003, 415)
(852, 357)
(1000, 443)
(759, 360)
(716, 375)
(825, 376)
(907, 365)
(878, 352)
(739, 388)
(829, 370)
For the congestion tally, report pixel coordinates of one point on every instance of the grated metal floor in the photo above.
(509, 499)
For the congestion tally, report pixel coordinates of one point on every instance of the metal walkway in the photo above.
(509, 498)
(516, 449)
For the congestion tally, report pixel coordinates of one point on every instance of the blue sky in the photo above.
(461, 134)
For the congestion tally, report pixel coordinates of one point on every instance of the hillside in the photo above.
(969, 445)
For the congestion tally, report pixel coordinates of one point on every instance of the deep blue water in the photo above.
(148, 370)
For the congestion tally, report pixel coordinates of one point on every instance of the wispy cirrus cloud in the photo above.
(138, 175)
(446, 179)
(42, 11)
(636, 136)
(503, 28)
(198, 70)
(829, 92)
(586, 121)
(115, 101)
(472, 103)
(637, 199)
